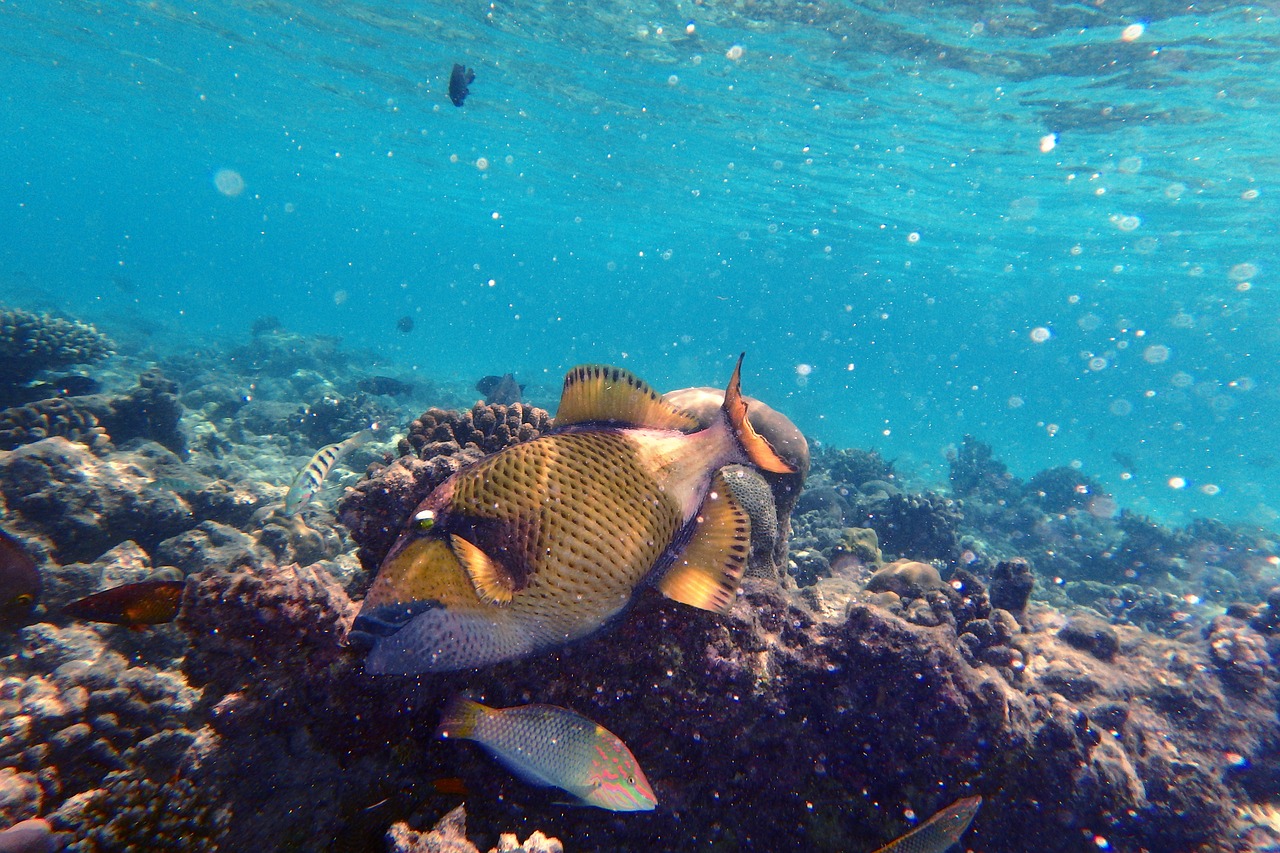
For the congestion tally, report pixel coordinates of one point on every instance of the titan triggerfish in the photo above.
(544, 542)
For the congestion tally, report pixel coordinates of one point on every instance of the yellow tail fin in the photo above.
(458, 718)
(759, 451)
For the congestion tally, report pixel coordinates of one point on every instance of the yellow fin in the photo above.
(597, 393)
(707, 573)
(459, 717)
(493, 583)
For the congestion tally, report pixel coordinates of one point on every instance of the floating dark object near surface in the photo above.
(459, 80)
(500, 390)
(384, 386)
(405, 324)
(19, 581)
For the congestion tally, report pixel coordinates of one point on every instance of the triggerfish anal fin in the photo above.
(707, 572)
(758, 450)
(939, 832)
(595, 393)
(492, 582)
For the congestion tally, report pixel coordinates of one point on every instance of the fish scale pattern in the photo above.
(592, 523)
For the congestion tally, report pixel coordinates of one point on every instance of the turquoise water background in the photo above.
(1052, 226)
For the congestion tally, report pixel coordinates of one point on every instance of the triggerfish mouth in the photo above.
(544, 542)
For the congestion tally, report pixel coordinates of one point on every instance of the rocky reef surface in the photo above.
(1104, 681)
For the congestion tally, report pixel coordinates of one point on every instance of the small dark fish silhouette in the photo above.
(405, 324)
(19, 581)
(135, 605)
(459, 80)
(1125, 460)
(500, 390)
(384, 386)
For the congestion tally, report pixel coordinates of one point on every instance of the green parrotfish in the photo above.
(554, 747)
(544, 542)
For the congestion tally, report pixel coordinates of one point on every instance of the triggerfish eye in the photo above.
(425, 520)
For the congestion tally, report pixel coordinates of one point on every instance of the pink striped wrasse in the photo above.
(313, 474)
(554, 747)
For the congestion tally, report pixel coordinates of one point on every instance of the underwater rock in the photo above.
(31, 836)
(908, 579)
(449, 835)
(133, 811)
(82, 504)
(1091, 635)
(1011, 584)
(1240, 653)
(253, 623)
(20, 795)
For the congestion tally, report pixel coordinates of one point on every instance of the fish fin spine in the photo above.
(757, 448)
(493, 583)
(596, 393)
(707, 572)
(459, 717)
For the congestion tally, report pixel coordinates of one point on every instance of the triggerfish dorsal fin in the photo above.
(596, 393)
(707, 572)
(758, 449)
(493, 583)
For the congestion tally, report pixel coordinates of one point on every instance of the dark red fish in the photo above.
(450, 785)
(133, 604)
(19, 581)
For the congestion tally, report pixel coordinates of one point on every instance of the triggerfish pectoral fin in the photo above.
(707, 572)
(757, 448)
(492, 582)
(939, 832)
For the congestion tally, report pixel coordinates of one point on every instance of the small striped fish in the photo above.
(552, 746)
(313, 474)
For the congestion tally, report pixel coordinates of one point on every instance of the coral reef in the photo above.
(1062, 489)
(974, 470)
(449, 835)
(150, 411)
(32, 343)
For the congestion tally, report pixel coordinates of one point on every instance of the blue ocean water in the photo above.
(1051, 226)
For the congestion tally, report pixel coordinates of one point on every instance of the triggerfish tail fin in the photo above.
(758, 450)
(594, 393)
(707, 572)
(939, 832)
(459, 717)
